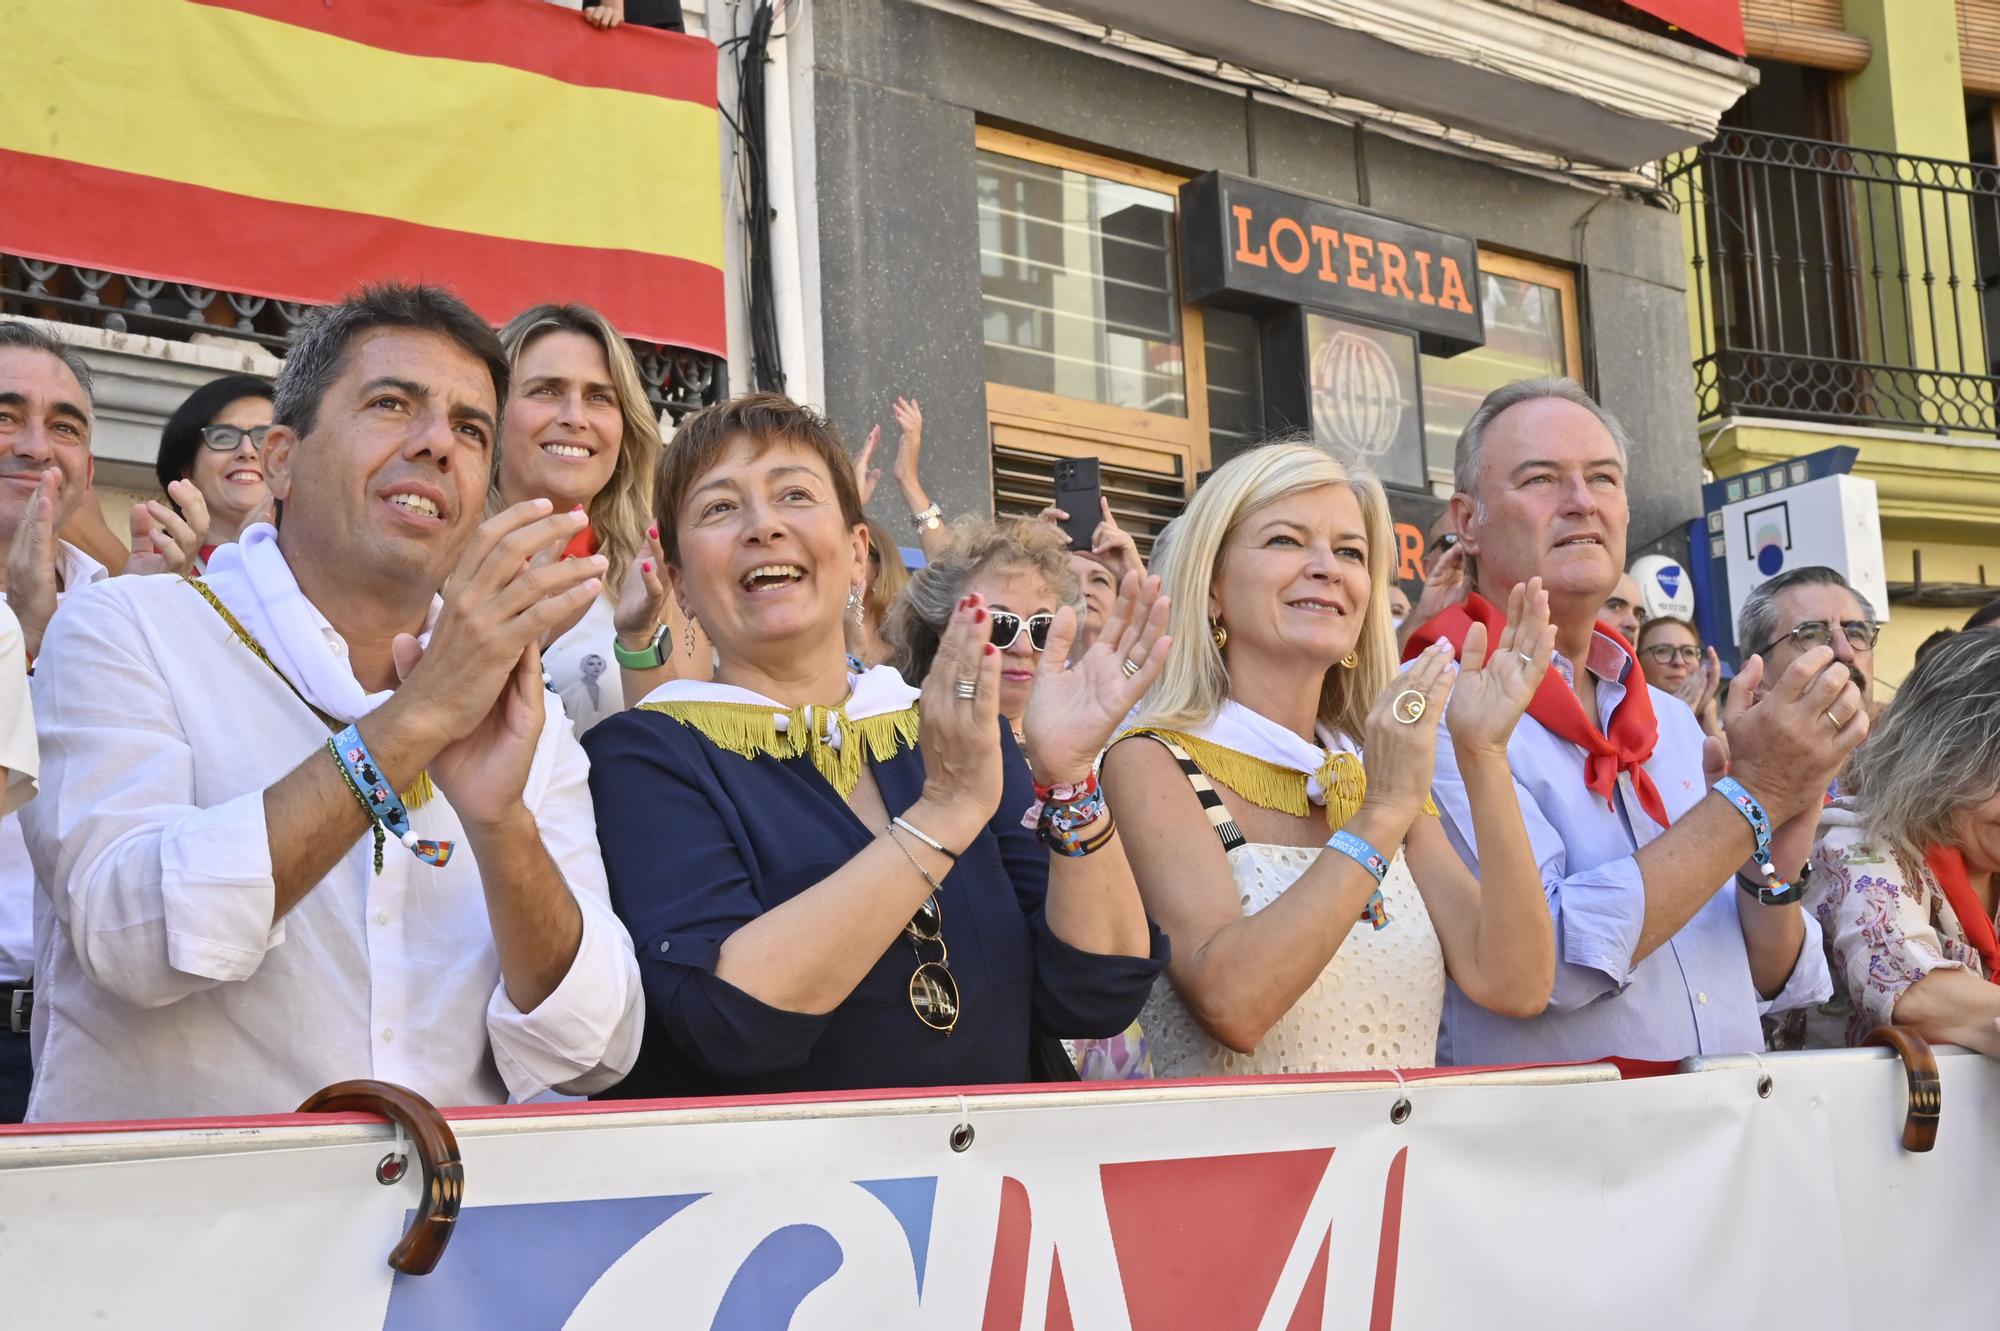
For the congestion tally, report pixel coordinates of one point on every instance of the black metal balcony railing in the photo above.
(1843, 284)
(677, 380)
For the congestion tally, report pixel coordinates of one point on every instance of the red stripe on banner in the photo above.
(1007, 1279)
(1384, 1315)
(164, 229)
(529, 35)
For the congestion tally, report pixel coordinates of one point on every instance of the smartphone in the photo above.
(1079, 495)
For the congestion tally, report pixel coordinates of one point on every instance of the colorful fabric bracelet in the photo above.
(1068, 807)
(1760, 826)
(1377, 908)
(1064, 842)
(384, 806)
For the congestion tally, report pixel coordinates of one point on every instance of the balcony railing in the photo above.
(677, 380)
(1843, 284)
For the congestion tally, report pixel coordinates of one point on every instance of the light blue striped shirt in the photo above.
(1693, 995)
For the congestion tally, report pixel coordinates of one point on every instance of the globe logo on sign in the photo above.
(1357, 398)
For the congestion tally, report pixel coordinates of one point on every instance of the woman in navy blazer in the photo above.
(823, 894)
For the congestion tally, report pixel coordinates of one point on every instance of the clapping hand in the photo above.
(1399, 736)
(643, 598)
(910, 442)
(164, 541)
(960, 734)
(867, 475)
(1444, 587)
(1073, 709)
(1493, 691)
(32, 581)
(1698, 691)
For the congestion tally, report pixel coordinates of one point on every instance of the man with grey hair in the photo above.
(1802, 608)
(1670, 941)
(225, 926)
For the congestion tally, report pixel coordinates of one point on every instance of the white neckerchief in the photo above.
(872, 693)
(1237, 727)
(251, 577)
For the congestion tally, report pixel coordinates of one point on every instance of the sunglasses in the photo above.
(1860, 635)
(1007, 628)
(1666, 653)
(933, 990)
(1445, 541)
(229, 438)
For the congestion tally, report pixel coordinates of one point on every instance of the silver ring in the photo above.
(1525, 658)
(1409, 707)
(1128, 667)
(967, 689)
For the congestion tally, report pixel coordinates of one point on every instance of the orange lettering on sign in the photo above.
(1424, 296)
(1395, 266)
(1410, 553)
(1361, 252)
(1452, 294)
(1285, 226)
(1244, 254)
(1328, 241)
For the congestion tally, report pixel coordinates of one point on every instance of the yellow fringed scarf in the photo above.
(836, 743)
(1269, 785)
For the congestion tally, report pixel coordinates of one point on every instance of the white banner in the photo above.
(1550, 1199)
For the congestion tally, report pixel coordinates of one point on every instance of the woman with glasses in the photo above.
(1673, 660)
(1021, 571)
(215, 441)
(836, 880)
(1905, 879)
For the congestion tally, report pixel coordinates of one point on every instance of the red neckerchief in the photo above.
(582, 545)
(1633, 732)
(1948, 867)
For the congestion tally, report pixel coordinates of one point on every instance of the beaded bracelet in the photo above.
(1760, 827)
(384, 806)
(1377, 865)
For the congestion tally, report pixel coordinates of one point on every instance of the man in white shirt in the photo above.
(46, 414)
(224, 927)
(1665, 947)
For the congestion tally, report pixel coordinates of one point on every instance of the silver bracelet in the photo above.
(923, 836)
(891, 831)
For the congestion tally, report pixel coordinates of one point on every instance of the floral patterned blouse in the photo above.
(1886, 920)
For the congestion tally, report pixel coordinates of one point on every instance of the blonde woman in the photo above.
(1293, 952)
(578, 430)
(886, 579)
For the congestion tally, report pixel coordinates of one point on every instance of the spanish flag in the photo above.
(296, 148)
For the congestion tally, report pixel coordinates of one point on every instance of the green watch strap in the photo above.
(651, 657)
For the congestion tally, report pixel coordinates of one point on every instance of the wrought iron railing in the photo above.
(1846, 284)
(677, 380)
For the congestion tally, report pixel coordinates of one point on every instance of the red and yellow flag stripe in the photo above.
(296, 148)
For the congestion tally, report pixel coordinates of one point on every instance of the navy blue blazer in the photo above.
(699, 841)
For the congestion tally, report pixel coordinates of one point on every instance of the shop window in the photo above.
(1531, 330)
(1090, 351)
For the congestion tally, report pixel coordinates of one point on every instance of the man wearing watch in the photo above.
(1672, 874)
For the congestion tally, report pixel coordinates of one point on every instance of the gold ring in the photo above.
(1837, 722)
(1408, 707)
(1128, 667)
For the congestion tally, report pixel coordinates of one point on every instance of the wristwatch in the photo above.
(1782, 896)
(930, 519)
(651, 657)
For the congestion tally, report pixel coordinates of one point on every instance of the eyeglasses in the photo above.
(1007, 628)
(933, 991)
(1666, 653)
(1860, 635)
(229, 438)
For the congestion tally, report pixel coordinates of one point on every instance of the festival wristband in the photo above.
(1760, 824)
(1066, 843)
(1376, 910)
(1069, 808)
(382, 802)
(1779, 894)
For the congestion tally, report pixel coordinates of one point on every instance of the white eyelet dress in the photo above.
(1376, 1005)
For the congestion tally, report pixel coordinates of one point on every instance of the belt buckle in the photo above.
(19, 1009)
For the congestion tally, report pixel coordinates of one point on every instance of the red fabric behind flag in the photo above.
(1716, 21)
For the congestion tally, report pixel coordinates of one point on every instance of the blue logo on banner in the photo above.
(1670, 579)
(528, 1267)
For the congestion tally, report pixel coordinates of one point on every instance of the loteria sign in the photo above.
(1247, 246)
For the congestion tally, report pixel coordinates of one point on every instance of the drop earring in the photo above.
(687, 635)
(1218, 634)
(854, 603)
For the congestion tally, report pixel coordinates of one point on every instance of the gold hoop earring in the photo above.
(1218, 634)
(1349, 661)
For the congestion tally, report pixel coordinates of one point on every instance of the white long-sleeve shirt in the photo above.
(164, 987)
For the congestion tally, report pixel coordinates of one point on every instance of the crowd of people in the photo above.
(445, 725)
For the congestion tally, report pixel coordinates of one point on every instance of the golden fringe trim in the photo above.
(1271, 786)
(751, 729)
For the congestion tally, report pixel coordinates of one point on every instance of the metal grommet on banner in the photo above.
(961, 1133)
(1764, 1082)
(1399, 1113)
(389, 1170)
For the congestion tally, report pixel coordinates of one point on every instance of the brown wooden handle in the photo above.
(424, 1241)
(1920, 1126)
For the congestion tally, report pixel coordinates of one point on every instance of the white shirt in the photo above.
(582, 670)
(1693, 994)
(17, 744)
(165, 987)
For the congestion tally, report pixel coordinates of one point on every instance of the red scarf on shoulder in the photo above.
(1633, 731)
(1948, 867)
